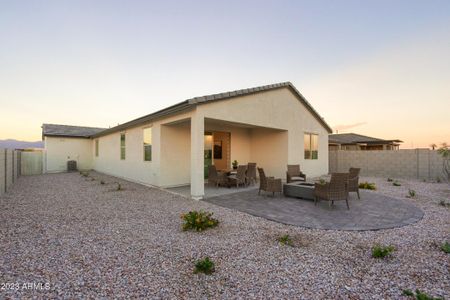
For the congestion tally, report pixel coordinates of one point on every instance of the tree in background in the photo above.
(444, 151)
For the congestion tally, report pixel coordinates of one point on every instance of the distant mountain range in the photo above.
(15, 144)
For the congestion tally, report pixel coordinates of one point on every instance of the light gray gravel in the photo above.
(87, 240)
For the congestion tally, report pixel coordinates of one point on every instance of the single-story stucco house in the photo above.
(272, 125)
(353, 141)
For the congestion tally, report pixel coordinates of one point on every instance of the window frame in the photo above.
(313, 146)
(123, 147)
(149, 145)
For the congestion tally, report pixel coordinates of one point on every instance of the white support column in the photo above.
(197, 156)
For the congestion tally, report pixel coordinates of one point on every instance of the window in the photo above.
(311, 146)
(122, 146)
(147, 144)
(96, 147)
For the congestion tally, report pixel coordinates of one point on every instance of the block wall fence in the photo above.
(10, 162)
(405, 163)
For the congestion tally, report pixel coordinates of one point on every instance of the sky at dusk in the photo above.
(378, 68)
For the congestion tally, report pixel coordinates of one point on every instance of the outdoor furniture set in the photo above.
(338, 188)
(243, 176)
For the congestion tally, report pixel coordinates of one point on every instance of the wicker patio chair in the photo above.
(294, 174)
(251, 173)
(353, 180)
(216, 178)
(336, 189)
(239, 178)
(268, 184)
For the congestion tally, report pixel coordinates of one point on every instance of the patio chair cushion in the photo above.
(295, 178)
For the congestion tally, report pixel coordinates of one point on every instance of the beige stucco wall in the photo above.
(175, 155)
(170, 160)
(279, 109)
(59, 150)
(133, 167)
(269, 149)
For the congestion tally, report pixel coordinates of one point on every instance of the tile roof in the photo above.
(192, 102)
(353, 138)
(69, 131)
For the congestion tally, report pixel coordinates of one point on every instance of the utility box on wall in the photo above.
(71, 166)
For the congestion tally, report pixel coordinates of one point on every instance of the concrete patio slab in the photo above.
(373, 212)
(210, 191)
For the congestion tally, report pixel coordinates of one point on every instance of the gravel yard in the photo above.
(82, 238)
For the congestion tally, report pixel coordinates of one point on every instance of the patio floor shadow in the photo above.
(374, 211)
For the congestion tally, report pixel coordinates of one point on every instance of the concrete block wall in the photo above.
(9, 169)
(405, 163)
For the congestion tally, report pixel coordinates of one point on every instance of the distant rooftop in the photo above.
(353, 138)
(69, 131)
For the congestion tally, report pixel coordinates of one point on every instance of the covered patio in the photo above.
(205, 142)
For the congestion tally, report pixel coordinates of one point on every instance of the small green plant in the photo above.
(419, 295)
(102, 182)
(407, 293)
(235, 164)
(119, 187)
(367, 186)
(198, 220)
(444, 203)
(322, 181)
(379, 251)
(205, 266)
(390, 179)
(286, 240)
(396, 183)
(446, 247)
(411, 193)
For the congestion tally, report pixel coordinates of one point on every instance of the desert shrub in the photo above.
(102, 182)
(367, 186)
(446, 247)
(205, 266)
(411, 193)
(390, 179)
(285, 240)
(92, 179)
(84, 174)
(198, 220)
(444, 151)
(444, 203)
(396, 183)
(119, 187)
(419, 295)
(407, 293)
(379, 251)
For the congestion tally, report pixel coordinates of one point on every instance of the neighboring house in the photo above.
(353, 141)
(271, 125)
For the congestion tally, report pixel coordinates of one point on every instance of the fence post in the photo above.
(12, 167)
(6, 170)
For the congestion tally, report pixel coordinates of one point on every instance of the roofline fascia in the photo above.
(168, 111)
(66, 136)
